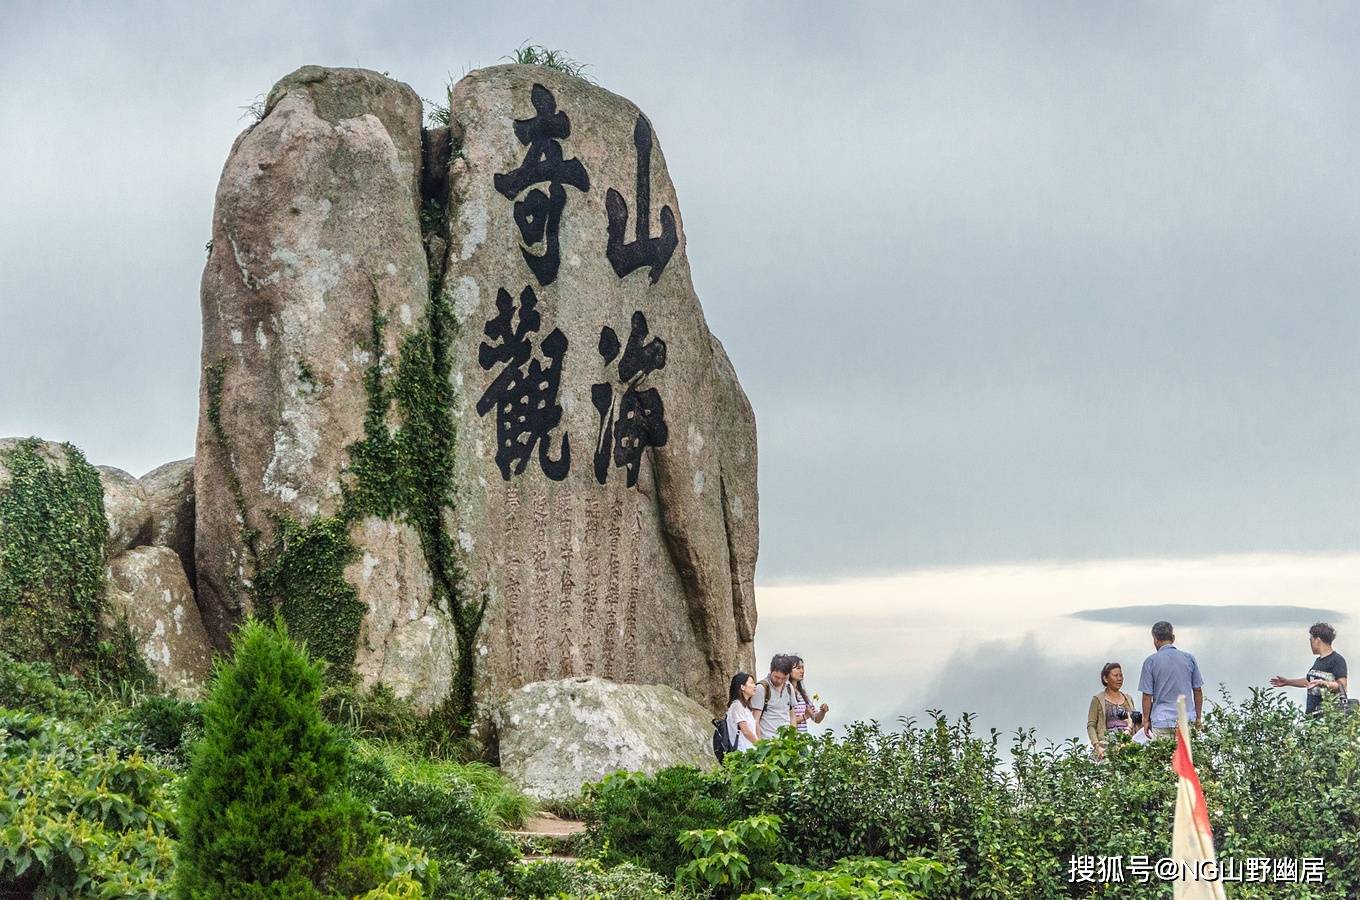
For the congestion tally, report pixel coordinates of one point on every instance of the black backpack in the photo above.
(721, 745)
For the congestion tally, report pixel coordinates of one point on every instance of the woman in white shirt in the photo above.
(741, 724)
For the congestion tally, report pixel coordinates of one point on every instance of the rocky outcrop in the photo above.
(126, 509)
(557, 736)
(607, 488)
(316, 278)
(170, 496)
(510, 399)
(69, 599)
(148, 588)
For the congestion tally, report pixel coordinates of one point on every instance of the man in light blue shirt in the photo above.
(1167, 674)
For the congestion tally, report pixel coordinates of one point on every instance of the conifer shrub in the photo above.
(265, 811)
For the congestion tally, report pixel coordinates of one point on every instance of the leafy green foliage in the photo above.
(636, 818)
(37, 687)
(167, 725)
(858, 878)
(430, 804)
(722, 856)
(52, 579)
(264, 807)
(590, 880)
(77, 818)
(1278, 784)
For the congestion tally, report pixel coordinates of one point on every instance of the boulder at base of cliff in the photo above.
(148, 587)
(557, 736)
(126, 509)
(170, 494)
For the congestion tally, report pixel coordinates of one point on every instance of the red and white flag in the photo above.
(1192, 837)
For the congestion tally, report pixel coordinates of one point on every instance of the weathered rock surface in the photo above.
(148, 587)
(315, 233)
(557, 736)
(170, 496)
(126, 508)
(607, 487)
(605, 483)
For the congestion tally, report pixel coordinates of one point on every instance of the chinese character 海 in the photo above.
(635, 419)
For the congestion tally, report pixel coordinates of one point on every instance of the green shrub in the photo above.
(1278, 784)
(37, 687)
(167, 724)
(77, 819)
(425, 804)
(591, 880)
(631, 817)
(859, 878)
(727, 859)
(265, 809)
(376, 713)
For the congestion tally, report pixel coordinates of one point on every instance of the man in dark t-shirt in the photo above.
(1328, 672)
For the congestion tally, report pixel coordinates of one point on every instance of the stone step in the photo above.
(546, 836)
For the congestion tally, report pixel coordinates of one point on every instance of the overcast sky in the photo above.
(1004, 282)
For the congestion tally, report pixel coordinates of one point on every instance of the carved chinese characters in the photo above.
(524, 393)
(603, 500)
(539, 215)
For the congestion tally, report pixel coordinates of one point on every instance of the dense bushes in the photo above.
(1277, 784)
(437, 811)
(635, 818)
(76, 818)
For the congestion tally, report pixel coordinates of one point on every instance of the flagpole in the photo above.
(1183, 725)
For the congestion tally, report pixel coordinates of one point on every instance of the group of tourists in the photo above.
(756, 710)
(1170, 673)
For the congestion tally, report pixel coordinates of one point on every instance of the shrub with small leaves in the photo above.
(631, 817)
(77, 819)
(859, 878)
(265, 809)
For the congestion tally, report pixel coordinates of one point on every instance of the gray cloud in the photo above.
(1222, 616)
(1046, 281)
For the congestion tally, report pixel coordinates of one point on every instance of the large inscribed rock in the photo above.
(465, 363)
(607, 487)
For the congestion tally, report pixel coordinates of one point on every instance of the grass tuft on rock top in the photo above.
(52, 576)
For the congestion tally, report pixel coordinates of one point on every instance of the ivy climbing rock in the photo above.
(316, 281)
(53, 537)
(606, 451)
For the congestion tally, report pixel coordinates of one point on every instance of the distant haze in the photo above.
(999, 642)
